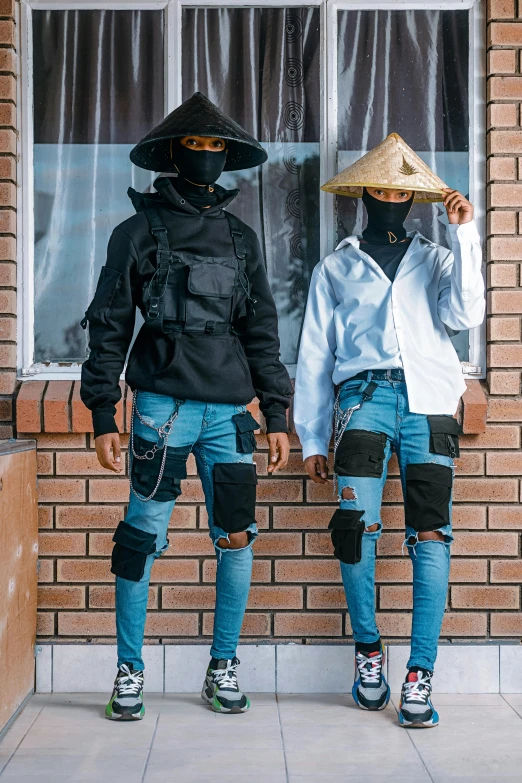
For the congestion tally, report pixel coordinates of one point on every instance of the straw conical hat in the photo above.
(392, 164)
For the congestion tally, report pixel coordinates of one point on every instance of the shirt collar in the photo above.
(356, 242)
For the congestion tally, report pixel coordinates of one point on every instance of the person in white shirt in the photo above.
(375, 333)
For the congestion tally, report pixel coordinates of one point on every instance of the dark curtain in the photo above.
(261, 66)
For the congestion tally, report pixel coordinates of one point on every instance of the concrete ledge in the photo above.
(281, 668)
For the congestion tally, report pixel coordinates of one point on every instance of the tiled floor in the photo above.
(283, 739)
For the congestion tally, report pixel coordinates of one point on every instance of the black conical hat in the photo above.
(197, 116)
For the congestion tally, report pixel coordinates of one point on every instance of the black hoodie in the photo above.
(225, 368)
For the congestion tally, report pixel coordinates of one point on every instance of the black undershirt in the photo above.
(387, 256)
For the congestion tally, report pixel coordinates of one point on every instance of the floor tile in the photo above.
(65, 765)
(251, 764)
(461, 699)
(96, 736)
(327, 709)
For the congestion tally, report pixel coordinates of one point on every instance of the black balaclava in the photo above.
(385, 219)
(197, 168)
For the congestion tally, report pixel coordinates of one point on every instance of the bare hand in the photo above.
(108, 451)
(278, 450)
(317, 468)
(459, 209)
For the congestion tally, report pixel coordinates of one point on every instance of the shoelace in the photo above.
(129, 683)
(418, 690)
(369, 675)
(226, 678)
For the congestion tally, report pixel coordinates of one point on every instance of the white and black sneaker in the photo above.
(415, 709)
(126, 702)
(220, 688)
(370, 689)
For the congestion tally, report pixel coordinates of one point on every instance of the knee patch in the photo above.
(428, 496)
(131, 547)
(347, 531)
(145, 472)
(234, 496)
(361, 453)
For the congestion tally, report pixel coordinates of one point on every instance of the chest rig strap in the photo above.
(241, 254)
(164, 259)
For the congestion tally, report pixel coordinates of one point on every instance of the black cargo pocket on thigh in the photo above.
(428, 496)
(145, 472)
(245, 427)
(347, 530)
(360, 453)
(444, 435)
(234, 496)
(131, 548)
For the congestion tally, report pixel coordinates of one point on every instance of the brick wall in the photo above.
(296, 592)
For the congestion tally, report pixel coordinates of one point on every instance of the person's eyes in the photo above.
(403, 195)
(218, 144)
(191, 143)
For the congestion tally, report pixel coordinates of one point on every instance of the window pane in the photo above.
(265, 74)
(98, 88)
(405, 72)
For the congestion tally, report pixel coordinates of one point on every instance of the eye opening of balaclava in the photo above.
(198, 171)
(385, 219)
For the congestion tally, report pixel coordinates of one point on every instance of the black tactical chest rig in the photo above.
(193, 293)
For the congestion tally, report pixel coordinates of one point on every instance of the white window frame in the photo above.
(173, 9)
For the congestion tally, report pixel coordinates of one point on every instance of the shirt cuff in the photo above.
(103, 422)
(313, 447)
(466, 231)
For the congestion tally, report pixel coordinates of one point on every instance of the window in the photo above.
(317, 84)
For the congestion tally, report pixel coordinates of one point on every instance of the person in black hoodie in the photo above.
(208, 345)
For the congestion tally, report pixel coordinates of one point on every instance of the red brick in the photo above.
(46, 571)
(302, 517)
(61, 490)
(504, 355)
(506, 624)
(60, 597)
(504, 248)
(504, 463)
(467, 570)
(189, 544)
(475, 408)
(506, 571)
(197, 597)
(81, 416)
(279, 491)
(8, 93)
(88, 516)
(8, 307)
(504, 382)
(505, 517)
(56, 406)
(469, 517)
(277, 597)
(484, 544)
(395, 597)
(505, 195)
(254, 624)
(100, 544)
(45, 623)
(44, 463)
(103, 597)
(465, 624)
(261, 570)
(485, 490)
(326, 598)
(7, 219)
(392, 517)
(171, 624)
(495, 437)
(501, 223)
(300, 624)
(109, 490)
(488, 597)
(393, 570)
(304, 571)
(84, 571)
(48, 440)
(393, 625)
(191, 492)
(502, 275)
(318, 544)
(7, 382)
(29, 406)
(86, 624)
(505, 34)
(504, 410)
(8, 171)
(61, 543)
(7, 269)
(502, 61)
(501, 115)
(501, 9)
(390, 544)
(279, 544)
(183, 517)
(168, 570)
(471, 463)
(45, 516)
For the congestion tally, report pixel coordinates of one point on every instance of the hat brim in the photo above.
(355, 190)
(154, 154)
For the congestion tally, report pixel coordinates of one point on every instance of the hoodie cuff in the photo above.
(103, 422)
(276, 421)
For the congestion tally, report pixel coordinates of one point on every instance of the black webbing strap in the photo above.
(164, 257)
(237, 239)
(158, 229)
(369, 392)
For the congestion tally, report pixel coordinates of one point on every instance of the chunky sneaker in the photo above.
(220, 688)
(370, 689)
(126, 702)
(415, 709)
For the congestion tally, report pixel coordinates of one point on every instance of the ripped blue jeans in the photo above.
(208, 431)
(407, 434)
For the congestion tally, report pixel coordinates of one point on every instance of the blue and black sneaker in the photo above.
(370, 689)
(126, 702)
(415, 709)
(221, 689)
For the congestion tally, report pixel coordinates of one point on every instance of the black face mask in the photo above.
(197, 168)
(385, 219)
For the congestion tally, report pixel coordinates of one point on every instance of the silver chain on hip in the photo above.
(341, 421)
(162, 442)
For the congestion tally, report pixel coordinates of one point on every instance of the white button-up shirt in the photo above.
(357, 319)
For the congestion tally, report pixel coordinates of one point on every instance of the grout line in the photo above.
(275, 668)
(282, 738)
(510, 705)
(150, 748)
(15, 750)
(408, 731)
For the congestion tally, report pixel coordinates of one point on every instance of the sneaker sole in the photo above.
(218, 707)
(406, 724)
(128, 716)
(370, 709)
